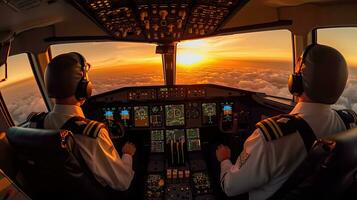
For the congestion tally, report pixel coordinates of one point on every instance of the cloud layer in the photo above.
(24, 97)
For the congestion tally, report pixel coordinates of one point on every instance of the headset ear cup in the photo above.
(89, 89)
(84, 90)
(295, 84)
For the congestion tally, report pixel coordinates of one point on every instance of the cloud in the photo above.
(24, 97)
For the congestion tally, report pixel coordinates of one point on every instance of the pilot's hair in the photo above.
(324, 74)
(63, 74)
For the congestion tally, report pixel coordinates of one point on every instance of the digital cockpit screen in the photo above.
(141, 115)
(209, 113)
(175, 115)
(125, 116)
(227, 109)
(108, 114)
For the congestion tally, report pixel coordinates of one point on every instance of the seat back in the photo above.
(328, 172)
(50, 166)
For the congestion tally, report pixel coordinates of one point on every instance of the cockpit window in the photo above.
(260, 61)
(344, 40)
(20, 91)
(117, 64)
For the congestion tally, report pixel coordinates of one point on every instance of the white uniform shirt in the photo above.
(263, 166)
(99, 154)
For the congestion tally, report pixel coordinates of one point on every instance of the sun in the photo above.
(189, 58)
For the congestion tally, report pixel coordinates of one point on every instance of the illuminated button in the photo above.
(174, 173)
(168, 173)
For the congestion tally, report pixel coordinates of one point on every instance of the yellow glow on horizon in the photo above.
(188, 59)
(194, 43)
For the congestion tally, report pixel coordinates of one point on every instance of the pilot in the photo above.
(66, 80)
(272, 152)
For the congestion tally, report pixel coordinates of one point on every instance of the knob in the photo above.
(155, 27)
(171, 27)
(163, 14)
(143, 15)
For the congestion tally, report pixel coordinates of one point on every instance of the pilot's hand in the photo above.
(129, 148)
(223, 152)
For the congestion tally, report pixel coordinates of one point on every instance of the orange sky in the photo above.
(267, 46)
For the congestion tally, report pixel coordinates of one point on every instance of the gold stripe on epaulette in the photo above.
(265, 131)
(276, 126)
(99, 126)
(275, 132)
(88, 128)
(94, 129)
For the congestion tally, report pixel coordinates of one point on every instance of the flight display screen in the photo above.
(157, 135)
(193, 139)
(175, 135)
(193, 133)
(125, 116)
(109, 116)
(156, 116)
(209, 113)
(141, 116)
(175, 115)
(157, 141)
(109, 113)
(227, 110)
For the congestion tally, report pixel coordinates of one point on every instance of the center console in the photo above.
(176, 169)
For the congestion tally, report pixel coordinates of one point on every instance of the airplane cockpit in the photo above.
(174, 78)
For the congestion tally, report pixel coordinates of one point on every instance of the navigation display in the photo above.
(156, 116)
(209, 113)
(175, 115)
(125, 116)
(141, 116)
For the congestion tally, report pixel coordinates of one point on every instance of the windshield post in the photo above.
(168, 54)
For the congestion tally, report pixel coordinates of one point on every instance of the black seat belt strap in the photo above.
(305, 131)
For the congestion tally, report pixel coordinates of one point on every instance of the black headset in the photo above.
(84, 87)
(295, 82)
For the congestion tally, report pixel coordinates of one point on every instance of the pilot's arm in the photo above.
(105, 162)
(251, 170)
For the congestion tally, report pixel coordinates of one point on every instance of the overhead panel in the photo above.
(159, 21)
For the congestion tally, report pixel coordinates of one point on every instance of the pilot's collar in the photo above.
(313, 108)
(71, 110)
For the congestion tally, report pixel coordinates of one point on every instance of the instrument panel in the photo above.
(167, 107)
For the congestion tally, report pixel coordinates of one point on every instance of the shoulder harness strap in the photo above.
(349, 118)
(82, 126)
(36, 120)
(276, 127)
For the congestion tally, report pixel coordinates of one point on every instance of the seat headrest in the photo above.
(33, 138)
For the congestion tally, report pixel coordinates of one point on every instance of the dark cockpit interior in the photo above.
(175, 127)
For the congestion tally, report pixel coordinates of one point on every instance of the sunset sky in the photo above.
(218, 51)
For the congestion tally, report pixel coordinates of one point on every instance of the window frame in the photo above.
(32, 65)
(292, 98)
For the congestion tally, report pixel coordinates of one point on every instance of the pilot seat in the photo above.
(52, 166)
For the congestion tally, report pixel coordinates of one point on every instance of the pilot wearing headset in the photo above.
(66, 80)
(272, 152)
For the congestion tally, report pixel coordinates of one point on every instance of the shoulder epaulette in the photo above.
(349, 117)
(276, 127)
(82, 126)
